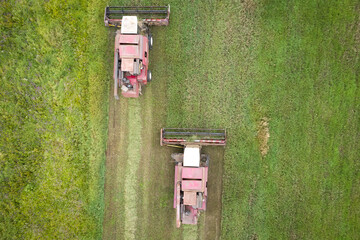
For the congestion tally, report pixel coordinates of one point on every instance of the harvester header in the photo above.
(150, 15)
(186, 136)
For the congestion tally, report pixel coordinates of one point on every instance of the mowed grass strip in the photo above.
(190, 232)
(156, 169)
(131, 183)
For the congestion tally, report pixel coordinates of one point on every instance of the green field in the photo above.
(281, 76)
(54, 94)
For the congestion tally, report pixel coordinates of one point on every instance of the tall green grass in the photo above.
(306, 82)
(53, 119)
(297, 65)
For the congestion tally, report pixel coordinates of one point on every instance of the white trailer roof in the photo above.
(192, 156)
(129, 25)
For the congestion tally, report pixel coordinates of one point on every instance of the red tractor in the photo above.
(191, 169)
(132, 44)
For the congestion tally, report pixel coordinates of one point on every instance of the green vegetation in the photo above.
(290, 68)
(297, 65)
(53, 119)
(305, 81)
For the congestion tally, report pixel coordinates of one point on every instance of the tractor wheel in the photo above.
(149, 76)
(205, 159)
(151, 41)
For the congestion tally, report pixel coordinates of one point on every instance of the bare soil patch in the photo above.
(263, 136)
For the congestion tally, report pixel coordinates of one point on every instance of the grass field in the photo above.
(306, 82)
(291, 67)
(53, 121)
(281, 76)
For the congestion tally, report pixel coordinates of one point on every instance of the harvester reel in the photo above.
(196, 136)
(148, 15)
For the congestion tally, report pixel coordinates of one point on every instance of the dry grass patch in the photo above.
(263, 136)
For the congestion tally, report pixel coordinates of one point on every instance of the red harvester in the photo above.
(191, 169)
(132, 44)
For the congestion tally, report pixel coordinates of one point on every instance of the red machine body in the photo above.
(133, 52)
(191, 188)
